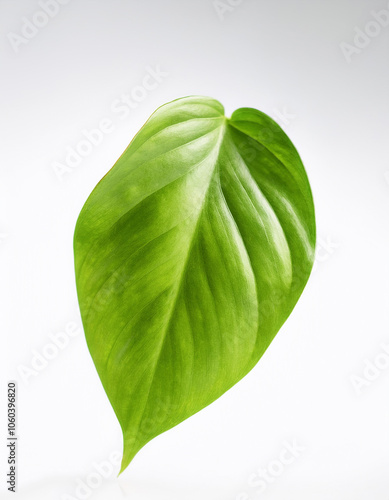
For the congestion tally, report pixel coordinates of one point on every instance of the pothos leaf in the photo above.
(190, 254)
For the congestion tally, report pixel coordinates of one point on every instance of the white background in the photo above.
(284, 58)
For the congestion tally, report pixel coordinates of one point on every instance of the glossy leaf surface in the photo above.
(190, 254)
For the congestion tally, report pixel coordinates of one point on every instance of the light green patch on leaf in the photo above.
(190, 254)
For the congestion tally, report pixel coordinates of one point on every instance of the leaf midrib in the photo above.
(222, 135)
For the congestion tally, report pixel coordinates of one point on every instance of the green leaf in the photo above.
(190, 254)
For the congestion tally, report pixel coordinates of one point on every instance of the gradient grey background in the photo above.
(284, 58)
